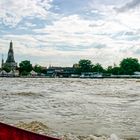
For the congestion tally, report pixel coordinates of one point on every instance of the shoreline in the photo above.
(104, 77)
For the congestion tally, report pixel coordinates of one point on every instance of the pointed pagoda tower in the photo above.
(10, 58)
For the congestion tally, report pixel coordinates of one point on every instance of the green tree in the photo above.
(85, 65)
(38, 69)
(129, 65)
(109, 70)
(7, 68)
(25, 67)
(97, 68)
(117, 70)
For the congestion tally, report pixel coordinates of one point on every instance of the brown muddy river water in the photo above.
(78, 106)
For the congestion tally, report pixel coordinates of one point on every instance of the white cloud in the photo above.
(114, 33)
(27, 45)
(130, 19)
(74, 30)
(70, 24)
(65, 31)
(28, 24)
(12, 12)
(129, 6)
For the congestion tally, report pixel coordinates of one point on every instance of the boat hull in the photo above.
(8, 132)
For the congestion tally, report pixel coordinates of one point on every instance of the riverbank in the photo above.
(103, 77)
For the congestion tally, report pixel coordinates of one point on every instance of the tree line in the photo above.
(126, 67)
(25, 67)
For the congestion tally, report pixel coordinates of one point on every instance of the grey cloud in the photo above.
(99, 46)
(96, 25)
(128, 6)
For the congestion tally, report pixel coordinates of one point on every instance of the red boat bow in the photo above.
(8, 132)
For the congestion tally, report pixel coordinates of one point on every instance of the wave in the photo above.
(34, 126)
(28, 94)
(39, 127)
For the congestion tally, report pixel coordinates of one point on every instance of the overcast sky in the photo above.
(61, 32)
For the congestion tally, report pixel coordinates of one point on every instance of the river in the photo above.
(77, 106)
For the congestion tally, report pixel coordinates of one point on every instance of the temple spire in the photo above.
(10, 57)
(10, 62)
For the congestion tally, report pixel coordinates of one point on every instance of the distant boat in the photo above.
(8, 132)
(91, 75)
